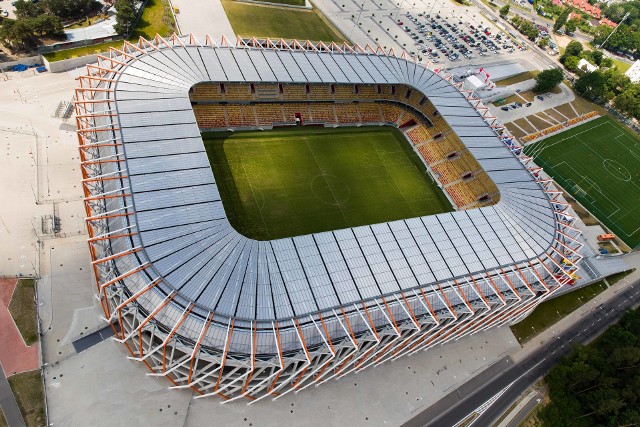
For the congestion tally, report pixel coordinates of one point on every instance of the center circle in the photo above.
(617, 169)
(330, 189)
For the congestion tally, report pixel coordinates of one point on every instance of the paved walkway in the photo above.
(202, 17)
(8, 403)
(15, 355)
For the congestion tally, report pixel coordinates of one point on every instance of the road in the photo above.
(8, 403)
(523, 374)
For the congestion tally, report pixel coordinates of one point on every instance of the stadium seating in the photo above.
(290, 111)
(210, 116)
(205, 92)
(391, 113)
(267, 91)
(268, 114)
(320, 92)
(237, 91)
(240, 115)
(323, 113)
(347, 113)
(295, 92)
(370, 112)
(367, 92)
(346, 92)
(418, 134)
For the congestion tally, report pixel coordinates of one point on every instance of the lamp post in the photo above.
(626, 15)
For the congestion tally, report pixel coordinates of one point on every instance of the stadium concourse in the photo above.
(214, 311)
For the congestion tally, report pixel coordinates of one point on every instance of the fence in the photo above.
(556, 128)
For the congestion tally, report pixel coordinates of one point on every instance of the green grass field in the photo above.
(268, 21)
(598, 163)
(283, 183)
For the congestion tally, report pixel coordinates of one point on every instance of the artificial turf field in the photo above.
(598, 163)
(283, 183)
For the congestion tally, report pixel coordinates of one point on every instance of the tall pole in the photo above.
(626, 15)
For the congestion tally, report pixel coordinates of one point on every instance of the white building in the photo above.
(634, 72)
(586, 65)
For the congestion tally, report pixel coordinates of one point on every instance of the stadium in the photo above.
(224, 314)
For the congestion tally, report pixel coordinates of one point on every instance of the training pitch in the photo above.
(598, 163)
(284, 183)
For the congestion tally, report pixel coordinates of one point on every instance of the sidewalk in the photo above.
(519, 407)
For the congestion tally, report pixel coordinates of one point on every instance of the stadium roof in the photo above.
(187, 239)
(162, 245)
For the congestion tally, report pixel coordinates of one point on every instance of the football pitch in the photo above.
(598, 163)
(283, 183)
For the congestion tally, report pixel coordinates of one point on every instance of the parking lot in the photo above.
(440, 38)
(440, 31)
(6, 9)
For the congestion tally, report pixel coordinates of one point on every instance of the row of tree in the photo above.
(528, 28)
(24, 33)
(41, 19)
(626, 38)
(563, 20)
(66, 10)
(599, 384)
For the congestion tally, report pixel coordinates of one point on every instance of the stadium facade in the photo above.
(225, 315)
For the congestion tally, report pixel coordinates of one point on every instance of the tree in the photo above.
(572, 25)
(598, 385)
(574, 48)
(571, 62)
(606, 62)
(27, 9)
(562, 19)
(591, 85)
(17, 34)
(544, 42)
(46, 25)
(125, 17)
(529, 29)
(504, 10)
(548, 79)
(68, 9)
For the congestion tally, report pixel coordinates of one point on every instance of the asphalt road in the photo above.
(523, 374)
(8, 403)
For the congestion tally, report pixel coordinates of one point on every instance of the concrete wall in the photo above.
(69, 64)
(27, 61)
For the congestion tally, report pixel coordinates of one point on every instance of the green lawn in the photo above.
(156, 19)
(598, 163)
(527, 75)
(284, 183)
(27, 388)
(622, 66)
(23, 310)
(250, 20)
(549, 312)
